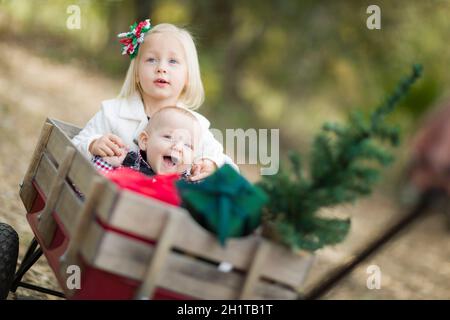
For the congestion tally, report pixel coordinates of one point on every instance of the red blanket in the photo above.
(161, 187)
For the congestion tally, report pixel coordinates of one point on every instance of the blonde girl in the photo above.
(164, 71)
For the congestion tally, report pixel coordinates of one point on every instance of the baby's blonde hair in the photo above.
(158, 115)
(193, 94)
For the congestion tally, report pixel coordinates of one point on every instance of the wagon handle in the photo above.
(159, 257)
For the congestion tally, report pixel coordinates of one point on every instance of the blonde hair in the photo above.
(170, 109)
(193, 94)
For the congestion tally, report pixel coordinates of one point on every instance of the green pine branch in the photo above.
(344, 165)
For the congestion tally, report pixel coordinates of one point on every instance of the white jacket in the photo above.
(126, 118)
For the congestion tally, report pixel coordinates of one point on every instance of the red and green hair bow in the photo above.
(131, 40)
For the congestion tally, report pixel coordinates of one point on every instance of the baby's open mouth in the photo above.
(170, 160)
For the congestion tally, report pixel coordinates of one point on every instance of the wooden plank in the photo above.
(45, 174)
(68, 204)
(82, 173)
(199, 279)
(27, 191)
(57, 144)
(127, 257)
(83, 220)
(287, 267)
(255, 269)
(67, 208)
(47, 224)
(159, 258)
(122, 255)
(144, 217)
(149, 215)
(109, 197)
(69, 129)
(93, 239)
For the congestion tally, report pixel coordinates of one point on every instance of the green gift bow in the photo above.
(225, 203)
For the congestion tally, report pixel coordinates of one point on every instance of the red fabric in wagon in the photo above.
(161, 187)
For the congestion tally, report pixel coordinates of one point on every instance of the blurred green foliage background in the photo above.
(265, 64)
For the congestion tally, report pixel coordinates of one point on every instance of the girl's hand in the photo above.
(202, 169)
(116, 161)
(107, 145)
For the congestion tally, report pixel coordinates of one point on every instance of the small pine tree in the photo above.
(341, 170)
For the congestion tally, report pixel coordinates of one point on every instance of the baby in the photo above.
(167, 145)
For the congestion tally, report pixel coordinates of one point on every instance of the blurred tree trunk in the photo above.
(120, 17)
(143, 9)
(221, 28)
(237, 52)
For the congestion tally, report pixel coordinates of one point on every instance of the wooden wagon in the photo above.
(130, 246)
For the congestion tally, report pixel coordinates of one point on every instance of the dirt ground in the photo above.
(415, 265)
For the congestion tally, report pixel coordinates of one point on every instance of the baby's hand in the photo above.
(107, 145)
(202, 169)
(116, 161)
